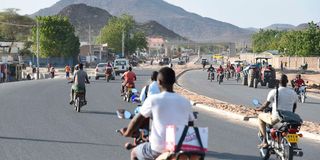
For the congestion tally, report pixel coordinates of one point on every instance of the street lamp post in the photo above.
(122, 43)
(38, 50)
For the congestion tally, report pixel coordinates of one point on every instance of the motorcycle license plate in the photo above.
(292, 138)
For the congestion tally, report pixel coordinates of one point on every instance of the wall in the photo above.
(288, 62)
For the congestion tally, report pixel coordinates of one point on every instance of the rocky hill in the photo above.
(184, 23)
(153, 28)
(81, 15)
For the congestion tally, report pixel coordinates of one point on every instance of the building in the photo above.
(155, 42)
(97, 53)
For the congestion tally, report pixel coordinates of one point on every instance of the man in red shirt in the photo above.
(297, 83)
(129, 78)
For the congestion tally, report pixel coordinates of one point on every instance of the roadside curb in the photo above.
(240, 118)
(235, 116)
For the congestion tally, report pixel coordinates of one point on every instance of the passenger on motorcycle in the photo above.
(151, 89)
(238, 69)
(210, 71)
(166, 108)
(297, 83)
(129, 78)
(287, 100)
(80, 79)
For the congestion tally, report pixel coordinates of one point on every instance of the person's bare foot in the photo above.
(263, 145)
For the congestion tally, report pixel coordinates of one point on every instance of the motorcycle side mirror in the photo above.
(123, 114)
(255, 102)
(134, 91)
(127, 115)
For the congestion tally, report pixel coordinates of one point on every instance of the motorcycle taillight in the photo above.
(293, 130)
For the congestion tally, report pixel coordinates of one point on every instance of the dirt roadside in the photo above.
(310, 127)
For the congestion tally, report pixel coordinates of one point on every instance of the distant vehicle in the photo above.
(164, 61)
(182, 62)
(204, 61)
(120, 65)
(101, 71)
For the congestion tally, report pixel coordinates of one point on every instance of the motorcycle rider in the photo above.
(297, 83)
(152, 88)
(80, 78)
(220, 71)
(129, 78)
(108, 69)
(287, 100)
(166, 108)
(210, 71)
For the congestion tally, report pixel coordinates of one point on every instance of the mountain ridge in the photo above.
(81, 15)
(189, 25)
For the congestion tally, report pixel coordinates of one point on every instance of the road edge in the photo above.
(235, 116)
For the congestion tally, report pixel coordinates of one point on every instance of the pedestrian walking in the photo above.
(67, 69)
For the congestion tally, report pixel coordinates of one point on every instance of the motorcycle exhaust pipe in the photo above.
(298, 153)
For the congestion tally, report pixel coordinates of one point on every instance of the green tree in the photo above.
(14, 27)
(266, 40)
(112, 34)
(301, 43)
(56, 36)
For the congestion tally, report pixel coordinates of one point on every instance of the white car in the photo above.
(101, 70)
(121, 65)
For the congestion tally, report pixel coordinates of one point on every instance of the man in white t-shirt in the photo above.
(287, 101)
(152, 88)
(165, 108)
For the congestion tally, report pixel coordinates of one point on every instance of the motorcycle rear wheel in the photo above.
(287, 150)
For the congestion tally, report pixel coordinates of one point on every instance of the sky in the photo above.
(243, 13)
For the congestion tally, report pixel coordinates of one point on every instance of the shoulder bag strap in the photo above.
(183, 136)
(146, 91)
(196, 129)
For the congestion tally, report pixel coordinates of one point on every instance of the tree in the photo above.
(266, 40)
(56, 36)
(14, 27)
(112, 34)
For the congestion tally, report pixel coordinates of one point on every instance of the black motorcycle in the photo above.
(282, 138)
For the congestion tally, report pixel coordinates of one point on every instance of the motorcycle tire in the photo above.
(288, 150)
(77, 103)
(303, 98)
(255, 83)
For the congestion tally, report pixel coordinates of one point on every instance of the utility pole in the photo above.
(38, 49)
(122, 43)
(89, 43)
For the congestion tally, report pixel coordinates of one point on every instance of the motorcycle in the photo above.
(228, 75)
(211, 76)
(78, 99)
(220, 78)
(129, 93)
(282, 138)
(302, 93)
(142, 135)
(237, 77)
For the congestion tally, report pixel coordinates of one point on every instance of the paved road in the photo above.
(235, 93)
(36, 123)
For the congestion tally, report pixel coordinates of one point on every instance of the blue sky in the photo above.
(243, 13)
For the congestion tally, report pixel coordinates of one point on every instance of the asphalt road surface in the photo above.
(236, 93)
(36, 123)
